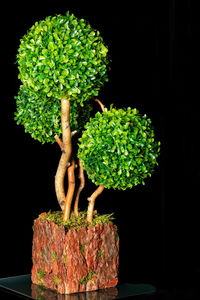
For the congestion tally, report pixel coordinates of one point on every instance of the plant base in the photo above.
(78, 260)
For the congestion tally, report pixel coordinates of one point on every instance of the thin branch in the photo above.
(60, 143)
(81, 186)
(101, 104)
(91, 200)
(70, 191)
(74, 132)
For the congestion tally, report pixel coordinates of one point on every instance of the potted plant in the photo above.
(62, 64)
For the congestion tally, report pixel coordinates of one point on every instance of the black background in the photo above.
(155, 68)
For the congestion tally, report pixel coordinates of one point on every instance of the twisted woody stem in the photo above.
(66, 148)
(100, 188)
(81, 186)
(71, 182)
(65, 164)
(91, 200)
(70, 191)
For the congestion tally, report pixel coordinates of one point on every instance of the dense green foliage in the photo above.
(118, 149)
(41, 117)
(63, 55)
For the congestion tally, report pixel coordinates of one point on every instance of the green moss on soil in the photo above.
(54, 256)
(40, 274)
(82, 248)
(76, 222)
(56, 280)
(87, 278)
(100, 254)
(64, 259)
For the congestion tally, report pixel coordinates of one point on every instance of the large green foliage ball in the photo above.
(63, 56)
(41, 116)
(118, 148)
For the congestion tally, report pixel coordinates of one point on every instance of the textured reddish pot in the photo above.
(77, 260)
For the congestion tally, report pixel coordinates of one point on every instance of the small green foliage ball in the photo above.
(41, 116)
(63, 56)
(118, 148)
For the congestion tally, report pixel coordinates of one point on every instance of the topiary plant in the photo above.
(117, 150)
(62, 63)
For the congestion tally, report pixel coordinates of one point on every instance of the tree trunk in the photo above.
(91, 200)
(70, 192)
(81, 186)
(66, 152)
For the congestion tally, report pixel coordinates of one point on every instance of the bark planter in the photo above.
(77, 259)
